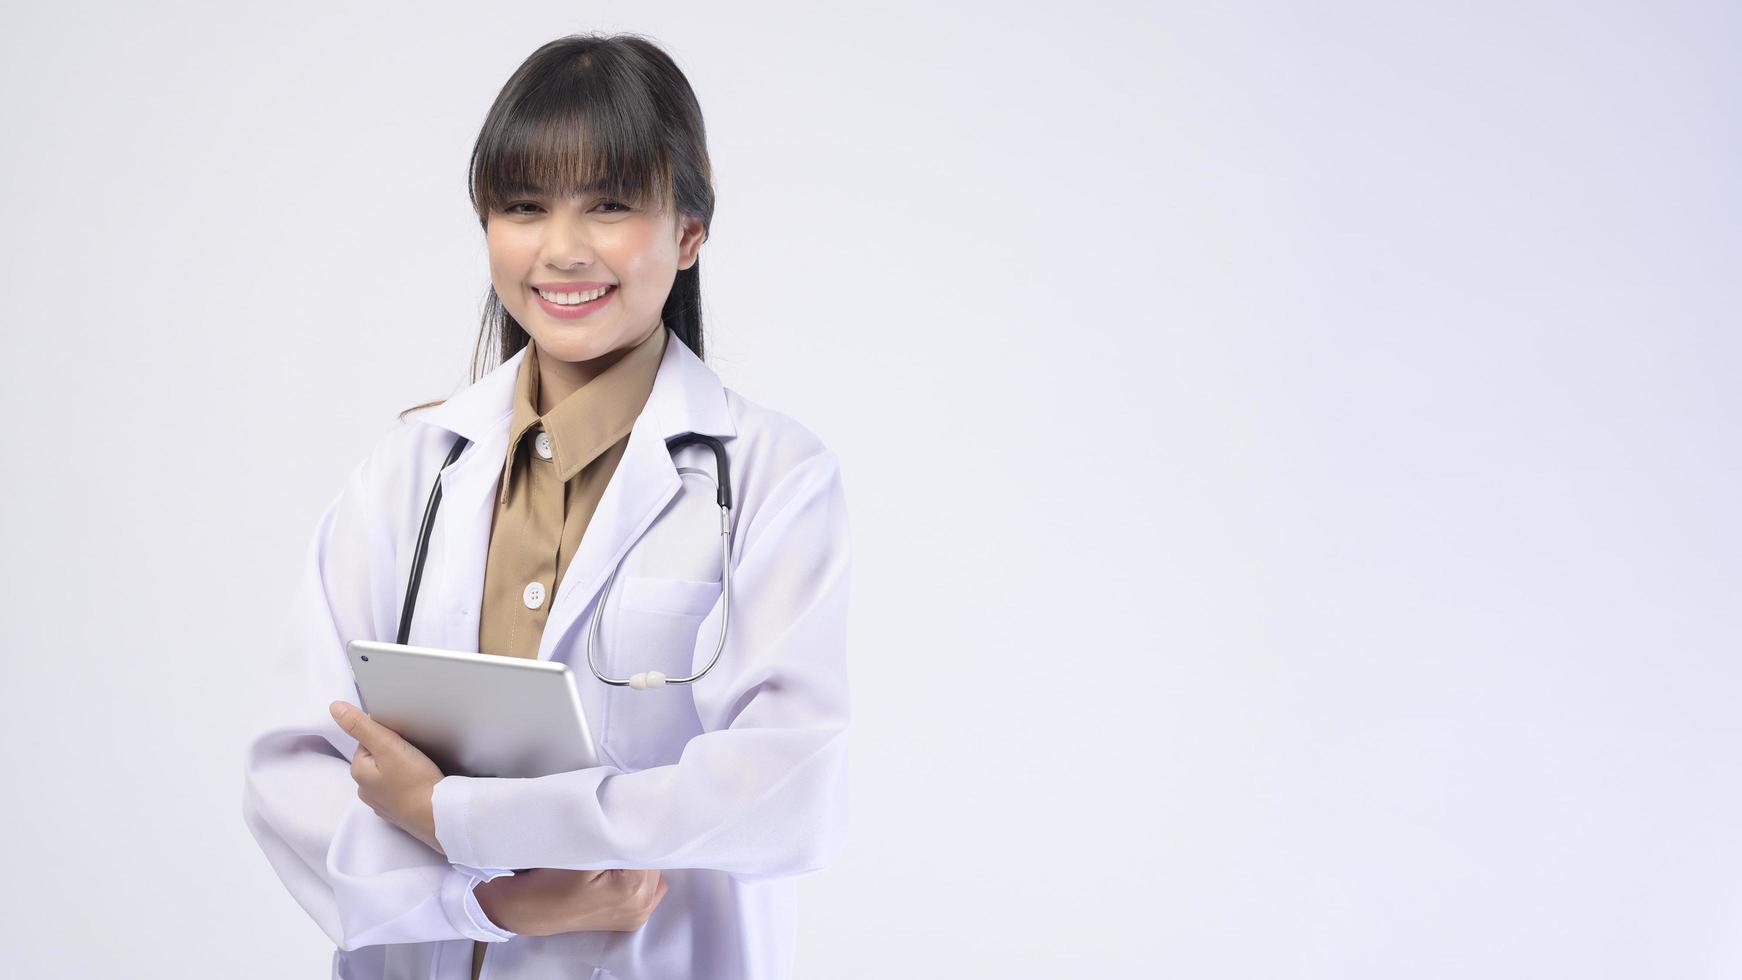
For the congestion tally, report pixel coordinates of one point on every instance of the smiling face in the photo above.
(579, 244)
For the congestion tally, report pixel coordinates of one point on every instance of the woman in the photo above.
(677, 856)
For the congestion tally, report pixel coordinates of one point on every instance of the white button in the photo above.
(533, 595)
(542, 445)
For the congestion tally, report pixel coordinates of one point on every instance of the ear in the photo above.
(691, 234)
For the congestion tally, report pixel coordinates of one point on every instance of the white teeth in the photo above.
(572, 299)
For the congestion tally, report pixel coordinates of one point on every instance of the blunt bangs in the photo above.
(566, 137)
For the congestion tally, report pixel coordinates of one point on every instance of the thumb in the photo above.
(371, 734)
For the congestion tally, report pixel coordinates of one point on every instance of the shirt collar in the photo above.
(590, 419)
(687, 396)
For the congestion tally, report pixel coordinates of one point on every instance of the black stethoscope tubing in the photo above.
(646, 679)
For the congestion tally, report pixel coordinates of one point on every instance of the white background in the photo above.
(1292, 455)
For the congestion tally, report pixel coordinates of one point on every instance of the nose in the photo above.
(566, 241)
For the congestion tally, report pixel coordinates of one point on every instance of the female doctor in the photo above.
(677, 856)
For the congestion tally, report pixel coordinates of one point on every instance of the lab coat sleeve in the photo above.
(761, 792)
(363, 880)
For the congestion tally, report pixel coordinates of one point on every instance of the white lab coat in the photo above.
(731, 786)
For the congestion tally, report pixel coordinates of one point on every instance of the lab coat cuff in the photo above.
(451, 802)
(460, 900)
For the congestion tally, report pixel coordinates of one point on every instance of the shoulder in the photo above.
(776, 460)
(399, 465)
(771, 443)
(770, 433)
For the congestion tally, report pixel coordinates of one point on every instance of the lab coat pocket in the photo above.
(656, 626)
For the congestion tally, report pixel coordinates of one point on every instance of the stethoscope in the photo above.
(647, 678)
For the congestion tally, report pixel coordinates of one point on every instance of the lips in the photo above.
(608, 287)
(577, 310)
(571, 286)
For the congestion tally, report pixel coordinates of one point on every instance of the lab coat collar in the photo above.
(687, 396)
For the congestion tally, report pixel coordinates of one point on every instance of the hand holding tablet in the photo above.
(476, 714)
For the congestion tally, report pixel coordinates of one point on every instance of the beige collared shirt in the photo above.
(556, 470)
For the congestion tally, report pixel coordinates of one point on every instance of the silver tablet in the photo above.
(476, 714)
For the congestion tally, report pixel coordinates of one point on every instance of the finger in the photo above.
(368, 732)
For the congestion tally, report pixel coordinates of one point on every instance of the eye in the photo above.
(611, 206)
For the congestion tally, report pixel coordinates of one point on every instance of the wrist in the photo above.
(420, 817)
(495, 897)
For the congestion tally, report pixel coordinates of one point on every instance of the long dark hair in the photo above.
(593, 112)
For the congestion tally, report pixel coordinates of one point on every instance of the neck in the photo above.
(558, 379)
